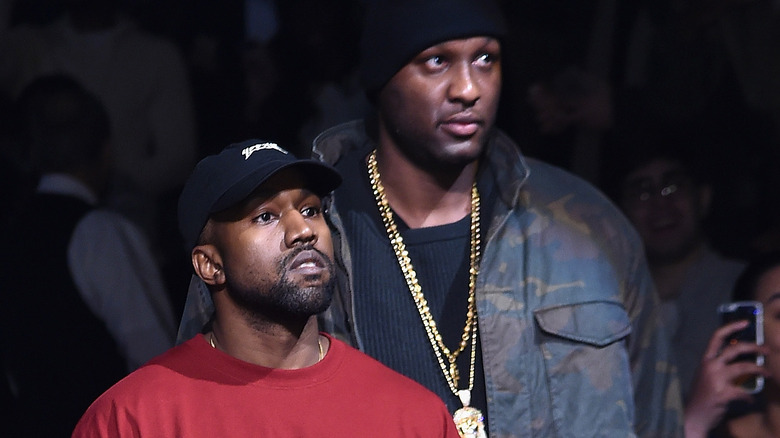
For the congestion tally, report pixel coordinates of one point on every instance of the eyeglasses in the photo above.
(643, 190)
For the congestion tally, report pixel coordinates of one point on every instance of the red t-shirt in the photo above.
(194, 390)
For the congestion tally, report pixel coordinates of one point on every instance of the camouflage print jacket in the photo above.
(571, 342)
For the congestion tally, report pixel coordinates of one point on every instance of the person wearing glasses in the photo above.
(662, 186)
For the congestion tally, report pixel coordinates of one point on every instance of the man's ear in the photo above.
(208, 264)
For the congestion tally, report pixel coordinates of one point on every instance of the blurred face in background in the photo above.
(667, 208)
(768, 293)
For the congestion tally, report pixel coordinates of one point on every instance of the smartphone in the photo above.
(753, 312)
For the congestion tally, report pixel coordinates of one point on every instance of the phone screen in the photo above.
(752, 311)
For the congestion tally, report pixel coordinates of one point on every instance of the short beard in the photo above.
(285, 301)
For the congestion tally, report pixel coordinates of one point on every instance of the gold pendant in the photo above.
(469, 421)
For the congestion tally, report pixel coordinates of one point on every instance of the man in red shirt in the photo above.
(253, 218)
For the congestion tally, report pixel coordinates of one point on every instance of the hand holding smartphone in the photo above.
(753, 312)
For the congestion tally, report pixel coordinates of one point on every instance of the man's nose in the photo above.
(297, 230)
(463, 86)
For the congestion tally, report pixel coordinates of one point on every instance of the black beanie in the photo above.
(395, 31)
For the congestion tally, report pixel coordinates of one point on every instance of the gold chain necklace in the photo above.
(469, 421)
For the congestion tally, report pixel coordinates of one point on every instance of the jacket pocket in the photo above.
(587, 367)
(598, 323)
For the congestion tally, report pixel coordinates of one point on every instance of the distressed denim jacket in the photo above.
(571, 342)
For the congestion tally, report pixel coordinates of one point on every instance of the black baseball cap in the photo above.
(225, 179)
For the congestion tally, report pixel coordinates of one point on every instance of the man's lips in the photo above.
(308, 262)
(663, 222)
(461, 125)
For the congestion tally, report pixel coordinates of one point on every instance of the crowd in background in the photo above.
(576, 74)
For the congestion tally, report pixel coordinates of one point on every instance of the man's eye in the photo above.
(485, 59)
(263, 217)
(434, 62)
(311, 211)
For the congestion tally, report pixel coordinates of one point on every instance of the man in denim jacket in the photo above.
(441, 222)
(570, 344)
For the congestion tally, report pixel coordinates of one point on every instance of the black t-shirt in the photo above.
(384, 306)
